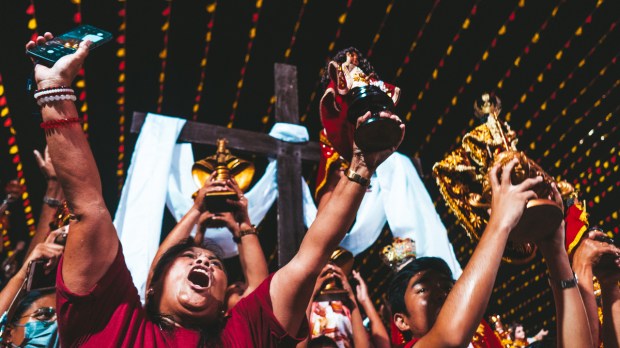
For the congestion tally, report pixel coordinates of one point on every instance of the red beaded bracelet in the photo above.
(60, 123)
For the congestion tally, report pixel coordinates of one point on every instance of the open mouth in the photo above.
(200, 278)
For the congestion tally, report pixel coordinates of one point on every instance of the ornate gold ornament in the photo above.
(462, 177)
(226, 166)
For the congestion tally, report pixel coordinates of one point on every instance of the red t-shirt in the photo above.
(111, 315)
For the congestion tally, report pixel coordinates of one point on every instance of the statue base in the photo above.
(376, 133)
(216, 202)
(540, 219)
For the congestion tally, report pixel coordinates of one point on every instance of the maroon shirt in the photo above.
(111, 315)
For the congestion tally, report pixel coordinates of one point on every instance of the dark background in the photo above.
(557, 70)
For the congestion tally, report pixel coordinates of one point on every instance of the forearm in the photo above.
(92, 244)
(252, 261)
(611, 314)
(586, 290)
(379, 335)
(292, 285)
(53, 191)
(180, 232)
(466, 303)
(360, 337)
(11, 289)
(573, 328)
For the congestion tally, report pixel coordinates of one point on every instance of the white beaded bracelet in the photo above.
(52, 98)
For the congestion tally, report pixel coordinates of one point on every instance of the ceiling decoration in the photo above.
(553, 64)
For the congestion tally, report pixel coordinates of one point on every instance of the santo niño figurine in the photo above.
(351, 89)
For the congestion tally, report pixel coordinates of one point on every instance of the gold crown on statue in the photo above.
(399, 253)
(463, 180)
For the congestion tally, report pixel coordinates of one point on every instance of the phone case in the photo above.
(37, 279)
(68, 43)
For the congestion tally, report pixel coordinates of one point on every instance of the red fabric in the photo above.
(488, 339)
(111, 315)
(339, 130)
(575, 227)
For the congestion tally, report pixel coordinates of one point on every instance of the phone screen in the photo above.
(68, 43)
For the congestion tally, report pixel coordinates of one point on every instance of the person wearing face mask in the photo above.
(98, 305)
(33, 322)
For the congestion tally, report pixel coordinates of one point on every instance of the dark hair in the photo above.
(28, 300)
(398, 285)
(322, 342)
(513, 329)
(341, 57)
(209, 335)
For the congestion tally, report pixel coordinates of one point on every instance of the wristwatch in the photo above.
(566, 283)
(242, 233)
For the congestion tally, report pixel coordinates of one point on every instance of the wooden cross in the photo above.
(291, 228)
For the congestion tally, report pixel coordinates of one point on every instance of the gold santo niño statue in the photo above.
(462, 177)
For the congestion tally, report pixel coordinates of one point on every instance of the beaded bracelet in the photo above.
(60, 123)
(52, 94)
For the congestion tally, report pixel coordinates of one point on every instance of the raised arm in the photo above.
(465, 305)
(378, 333)
(586, 257)
(291, 287)
(610, 291)
(92, 244)
(51, 201)
(45, 250)
(197, 214)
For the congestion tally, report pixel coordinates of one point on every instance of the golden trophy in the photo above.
(226, 167)
(332, 290)
(463, 180)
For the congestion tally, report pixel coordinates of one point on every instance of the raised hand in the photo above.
(372, 160)
(45, 164)
(509, 200)
(361, 290)
(64, 70)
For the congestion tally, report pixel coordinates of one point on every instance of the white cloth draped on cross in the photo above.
(160, 175)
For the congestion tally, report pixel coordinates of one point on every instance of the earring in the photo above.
(150, 292)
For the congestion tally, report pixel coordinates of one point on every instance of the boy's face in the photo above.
(425, 295)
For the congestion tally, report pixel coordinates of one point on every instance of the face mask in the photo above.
(40, 334)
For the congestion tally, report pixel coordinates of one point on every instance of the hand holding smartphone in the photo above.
(67, 43)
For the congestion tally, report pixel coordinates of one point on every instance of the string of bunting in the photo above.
(32, 21)
(7, 122)
(80, 80)
(342, 19)
(205, 56)
(533, 41)
(557, 57)
(414, 44)
(608, 219)
(584, 180)
(485, 55)
(562, 137)
(592, 135)
(255, 17)
(377, 36)
(4, 234)
(120, 93)
(163, 54)
(427, 85)
(287, 55)
(548, 67)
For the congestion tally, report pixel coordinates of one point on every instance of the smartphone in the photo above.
(38, 279)
(67, 43)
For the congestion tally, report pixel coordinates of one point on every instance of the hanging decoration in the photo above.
(205, 56)
(120, 93)
(342, 19)
(80, 81)
(377, 36)
(32, 21)
(163, 54)
(287, 55)
(440, 65)
(7, 123)
(246, 60)
(414, 44)
(454, 101)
